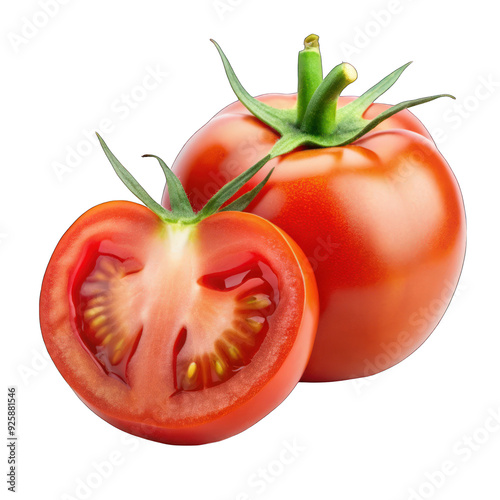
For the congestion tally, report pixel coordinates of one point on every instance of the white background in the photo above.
(383, 439)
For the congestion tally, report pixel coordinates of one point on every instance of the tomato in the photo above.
(381, 220)
(181, 332)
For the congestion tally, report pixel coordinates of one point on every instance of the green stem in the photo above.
(315, 121)
(310, 74)
(320, 116)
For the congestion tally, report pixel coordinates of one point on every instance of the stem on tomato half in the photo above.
(316, 121)
(182, 212)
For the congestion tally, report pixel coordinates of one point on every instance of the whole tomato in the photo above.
(364, 191)
(178, 327)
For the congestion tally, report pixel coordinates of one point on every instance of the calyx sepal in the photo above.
(315, 121)
(181, 210)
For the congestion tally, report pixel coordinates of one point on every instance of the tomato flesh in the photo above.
(182, 334)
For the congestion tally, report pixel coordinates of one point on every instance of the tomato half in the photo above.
(381, 221)
(180, 333)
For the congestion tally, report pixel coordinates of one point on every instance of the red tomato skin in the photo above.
(381, 220)
(133, 227)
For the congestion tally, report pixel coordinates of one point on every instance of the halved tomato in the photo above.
(182, 333)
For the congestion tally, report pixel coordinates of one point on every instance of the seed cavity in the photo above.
(233, 350)
(102, 301)
(252, 286)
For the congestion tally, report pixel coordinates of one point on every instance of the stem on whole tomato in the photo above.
(315, 121)
(321, 114)
(310, 72)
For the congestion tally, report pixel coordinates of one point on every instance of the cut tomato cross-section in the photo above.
(180, 327)
(180, 333)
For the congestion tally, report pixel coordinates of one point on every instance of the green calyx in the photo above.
(181, 211)
(316, 121)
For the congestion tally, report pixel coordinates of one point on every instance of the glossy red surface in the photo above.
(381, 221)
